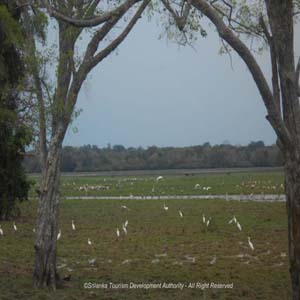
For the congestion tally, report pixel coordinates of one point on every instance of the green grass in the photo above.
(231, 183)
(259, 274)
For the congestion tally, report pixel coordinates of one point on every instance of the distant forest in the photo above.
(90, 158)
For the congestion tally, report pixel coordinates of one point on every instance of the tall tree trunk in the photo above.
(281, 22)
(292, 190)
(45, 273)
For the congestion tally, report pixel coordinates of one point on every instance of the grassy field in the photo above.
(159, 247)
(231, 183)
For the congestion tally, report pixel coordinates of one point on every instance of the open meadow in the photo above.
(244, 183)
(161, 246)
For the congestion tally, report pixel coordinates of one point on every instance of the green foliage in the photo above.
(91, 158)
(14, 135)
(40, 23)
(10, 34)
(14, 185)
(11, 27)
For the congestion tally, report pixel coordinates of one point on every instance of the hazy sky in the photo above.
(155, 93)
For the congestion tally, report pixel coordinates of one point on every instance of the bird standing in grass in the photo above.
(89, 242)
(58, 235)
(239, 226)
(15, 227)
(124, 229)
(118, 232)
(180, 214)
(250, 244)
(1, 231)
(165, 207)
(159, 178)
(125, 207)
(73, 225)
(213, 261)
(233, 220)
(126, 223)
(203, 219)
(208, 222)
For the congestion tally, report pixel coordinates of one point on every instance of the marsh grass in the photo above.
(156, 249)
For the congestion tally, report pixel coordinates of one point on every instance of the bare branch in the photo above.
(90, 60)
(38, 86)
(116, 42)
(91, 21)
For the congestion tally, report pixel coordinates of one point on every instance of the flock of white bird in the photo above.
(206, 221)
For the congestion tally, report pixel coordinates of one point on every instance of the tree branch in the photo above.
(275, 79)
(92, 21)
(38, 89)
(228, 35)
(240, 27)
(90, 60)
(116, 42)
(180, 20)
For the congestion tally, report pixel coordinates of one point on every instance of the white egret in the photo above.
(159, 178)
(161, 255)
(118, 232)
(208, 222)
(239, 226)
(89, 242)
(180, 214)
(124, 229)
(250, 244)
(213, 261)
(1, 231)
(15, 227)
(92, 261)
(58, 235)
(190, 258)
(126, 261)
(125, 207)
(203, 218)
(73, 225)
(233, 220)
(165, 207)
(126, 223)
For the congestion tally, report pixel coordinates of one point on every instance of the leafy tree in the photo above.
(56, 99)
(14, 135)
(270, 23)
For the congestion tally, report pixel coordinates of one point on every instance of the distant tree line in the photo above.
(116, 158)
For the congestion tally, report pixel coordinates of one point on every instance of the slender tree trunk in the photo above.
(292, 190)
(45, 273)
